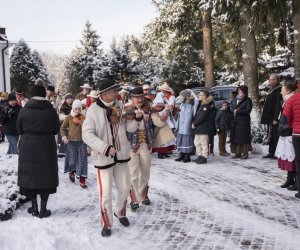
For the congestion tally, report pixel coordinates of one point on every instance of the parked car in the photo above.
(219, 93)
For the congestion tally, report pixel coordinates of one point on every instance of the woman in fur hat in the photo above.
(76, 154)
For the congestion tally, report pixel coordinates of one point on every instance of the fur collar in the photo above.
(274, 89)
(207, 100)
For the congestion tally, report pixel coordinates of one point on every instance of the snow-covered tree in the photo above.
(25, 67)
(40, 69)
(84, 59)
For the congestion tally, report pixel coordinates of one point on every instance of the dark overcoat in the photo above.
(38, 124)
(272, 106)
(241, 124)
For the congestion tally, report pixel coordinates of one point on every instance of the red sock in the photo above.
(82, 180)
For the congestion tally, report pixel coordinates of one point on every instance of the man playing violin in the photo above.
(141, 144)
(110, 152)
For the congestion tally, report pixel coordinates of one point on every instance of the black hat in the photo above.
(50, 88)
(137, 91)
(107, 84)
(11, 97)
(38, 90)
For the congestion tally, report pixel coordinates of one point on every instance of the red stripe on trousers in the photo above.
(105, 222)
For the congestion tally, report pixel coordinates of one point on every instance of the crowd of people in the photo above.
(121, 128)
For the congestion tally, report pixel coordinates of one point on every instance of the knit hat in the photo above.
(108, 84)
(76, 104)
(50, 88)
(68, 95)
(39, 82)
(11, 97)
(4, 95)
(38, 90)
(137, 91)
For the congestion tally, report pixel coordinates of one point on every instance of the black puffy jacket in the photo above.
(8, 118)
(202, 120)
(240, 132)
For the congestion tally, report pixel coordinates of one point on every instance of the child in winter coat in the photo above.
(184, 138)
(223, 126)
(76, 154)
(201, 126)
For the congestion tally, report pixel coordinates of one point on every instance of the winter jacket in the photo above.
(8, 118)
(223, 118)
(202, 120)
(71, 130)
(184, 119)
(64, 111)
(38, 124)
(291, 112)
(212, 119)
(97, 133)
(240, 132)
(272, 106)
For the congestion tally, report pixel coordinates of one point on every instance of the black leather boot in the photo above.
(199, 158)
(33, 210)
(44, 212)
(294, 185)
(106, 232)
(187, 158)
(180, 158)
(289, 180)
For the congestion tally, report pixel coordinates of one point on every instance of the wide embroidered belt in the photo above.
(142, 136)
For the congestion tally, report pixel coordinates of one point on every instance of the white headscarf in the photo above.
(76, 104)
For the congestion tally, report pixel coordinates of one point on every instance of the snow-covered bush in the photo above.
(259, 133)
(9, 190)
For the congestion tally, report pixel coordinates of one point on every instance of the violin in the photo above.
(147, 107)
(114, 114)
(78, 119)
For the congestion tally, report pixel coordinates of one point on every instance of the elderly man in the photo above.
(86, 89)
(110, 151)
(270, 114)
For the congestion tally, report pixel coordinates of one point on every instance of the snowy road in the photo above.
(226, 204)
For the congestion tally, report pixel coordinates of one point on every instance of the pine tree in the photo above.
(84, 60)
(25, 67)
(40, 69)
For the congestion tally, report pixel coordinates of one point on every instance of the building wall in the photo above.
(7, 71)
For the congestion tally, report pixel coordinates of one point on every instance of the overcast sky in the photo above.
(63, 20)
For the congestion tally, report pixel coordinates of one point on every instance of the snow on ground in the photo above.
(226, 204)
